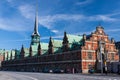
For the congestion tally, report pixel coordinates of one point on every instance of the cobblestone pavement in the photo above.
(50, 76)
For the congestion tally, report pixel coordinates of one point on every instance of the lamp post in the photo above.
(100, 44)
(106, 60)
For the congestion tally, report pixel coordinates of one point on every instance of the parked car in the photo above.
(47, 71)
(91, 71)
(58, 71)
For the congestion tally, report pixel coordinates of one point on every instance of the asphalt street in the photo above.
(50, 76)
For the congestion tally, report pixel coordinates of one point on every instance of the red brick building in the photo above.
(94, 44)
(81, 56)
(1, 59)
(72, 54)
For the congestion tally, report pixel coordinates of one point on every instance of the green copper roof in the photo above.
(26, 52)
(8, 52)
(73, 38)
(34, 49)
(74, 43)
(57, 43)
(13, 54)
(18, 54)
(44, 47)
(2, 51)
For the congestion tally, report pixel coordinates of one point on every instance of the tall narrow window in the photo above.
(89, 55)
(89, 46)
(112, 56)
(89, 66)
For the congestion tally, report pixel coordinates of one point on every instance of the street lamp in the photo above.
(101, 55)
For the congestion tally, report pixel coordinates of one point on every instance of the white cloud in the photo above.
(48, 21)
(9, 0)
(55, 31)
(112, 30)
(60, 36)
(15, 24)
(13, 3)
(81, 33)
(101, 18)
(84, 2)
(17, 40)
(27, 11)
(25, 40)
(113, 14)
(6, 24)
(48, 37)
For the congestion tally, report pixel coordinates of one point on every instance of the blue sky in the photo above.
(55, 17)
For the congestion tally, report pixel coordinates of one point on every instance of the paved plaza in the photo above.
(51, 76)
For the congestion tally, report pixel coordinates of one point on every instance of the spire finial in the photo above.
(99, 23)
(36, 20)
(65, 33)
(11, 55)
(50, 42)
(50, 37)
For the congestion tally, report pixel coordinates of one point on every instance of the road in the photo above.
(50, 76)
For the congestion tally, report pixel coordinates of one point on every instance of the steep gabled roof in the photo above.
(8, 52)
(44, 48)
(26, 52)
(57, 43)
(74, 38)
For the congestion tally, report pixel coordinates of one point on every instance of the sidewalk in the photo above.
(99, 74)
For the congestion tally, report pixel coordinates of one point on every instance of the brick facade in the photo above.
(82, 60)
(92, 48)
